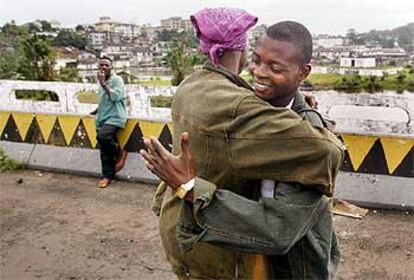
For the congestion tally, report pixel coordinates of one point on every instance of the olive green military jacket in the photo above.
(294, 229)
(236, 136)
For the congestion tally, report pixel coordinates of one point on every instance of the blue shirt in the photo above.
(112, 109)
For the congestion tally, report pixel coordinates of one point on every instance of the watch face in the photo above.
(186, 187)
(189, 185)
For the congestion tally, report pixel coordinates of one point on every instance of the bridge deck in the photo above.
(57, 226)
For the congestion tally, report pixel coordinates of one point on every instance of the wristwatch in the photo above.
(185, 188)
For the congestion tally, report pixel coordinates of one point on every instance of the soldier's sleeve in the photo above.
(274, 143)
(271, 226)
(158, 198)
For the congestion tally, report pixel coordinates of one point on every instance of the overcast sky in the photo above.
(320, 16)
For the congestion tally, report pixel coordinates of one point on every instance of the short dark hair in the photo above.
(295, 33)
(106, 57)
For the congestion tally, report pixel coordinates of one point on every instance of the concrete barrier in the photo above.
(378, 169)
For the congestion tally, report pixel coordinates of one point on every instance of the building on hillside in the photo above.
(176, 23)
(127, 30)
(65, 57)
(357, 62)
(331, 54)
(97, 40)
(327, 41)
(105, 24)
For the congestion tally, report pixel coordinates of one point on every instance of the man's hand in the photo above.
(101, 77)
(173, 170)
(311, 100)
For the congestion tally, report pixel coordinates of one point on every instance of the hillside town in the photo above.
(142, 52)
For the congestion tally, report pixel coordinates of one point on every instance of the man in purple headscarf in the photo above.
(221, 30)
(235, 137)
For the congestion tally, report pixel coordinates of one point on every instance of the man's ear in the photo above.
(304, 71)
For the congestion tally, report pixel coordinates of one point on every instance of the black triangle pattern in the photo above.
(34, 134)
(56, 136)
(80, 138)
(135, 141)
(406, 167)
(374, 162)
(10, 132)
(166, 138)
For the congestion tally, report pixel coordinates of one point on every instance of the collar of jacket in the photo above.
(236, 79)
(298, 102)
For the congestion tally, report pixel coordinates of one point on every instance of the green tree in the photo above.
(68, 74)
(79, 28)
(11, 34)
(373, 84)
(400, 77)
(9, 65)
(37, 60)
(46, 26)
(168, 35)
(66, 38)
(351, 36)
(179, 60)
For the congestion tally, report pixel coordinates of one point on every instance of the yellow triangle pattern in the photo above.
(124, 134)
(23, 122)
(90, 127)
(68, 125)
(395, 150)
(46, 123)
(151, 128)
(358, 148)
(4, 117)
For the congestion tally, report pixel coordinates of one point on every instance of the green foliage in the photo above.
(11, 34)
(46, 26)
(7, 163)
(69, 74)
(400, 82)
(178, 59)
(27, 56)
(410, 86)
(36, 95)
(349, 83)
(38, 59)
(79, 28)
(323, 80)
(400, 77)
(373, 84)
(9, 65)
(161, 101)
(66, 38)
(167, 35)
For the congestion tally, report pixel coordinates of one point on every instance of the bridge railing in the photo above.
(378, 129)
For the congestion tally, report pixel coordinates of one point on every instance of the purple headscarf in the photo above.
(221, 29)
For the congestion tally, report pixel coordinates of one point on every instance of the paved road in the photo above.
(56, 226)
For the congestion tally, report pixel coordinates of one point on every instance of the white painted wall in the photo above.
(363, 113)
